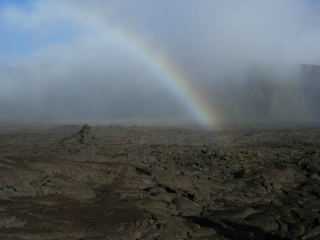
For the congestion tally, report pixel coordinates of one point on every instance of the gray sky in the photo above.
(61, 60)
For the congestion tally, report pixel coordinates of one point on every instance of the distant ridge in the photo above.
(311, 87)
(311, 68)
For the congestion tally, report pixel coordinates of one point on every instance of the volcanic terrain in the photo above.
(92, 183)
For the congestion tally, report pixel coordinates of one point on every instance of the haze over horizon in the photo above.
(160, 62)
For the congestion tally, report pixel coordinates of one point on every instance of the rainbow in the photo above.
(181, 87)
(177, 82)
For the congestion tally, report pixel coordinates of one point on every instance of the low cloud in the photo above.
(244, 55)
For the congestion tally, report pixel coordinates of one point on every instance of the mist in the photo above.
(61, 62)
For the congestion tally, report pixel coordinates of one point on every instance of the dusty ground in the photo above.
(108, 183)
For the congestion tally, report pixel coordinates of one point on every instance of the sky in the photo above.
(99, 61)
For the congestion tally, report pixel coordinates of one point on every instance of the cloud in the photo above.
(79, 70)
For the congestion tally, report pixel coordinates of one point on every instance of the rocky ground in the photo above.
(83, 183)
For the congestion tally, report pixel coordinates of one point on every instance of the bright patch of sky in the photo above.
(19, 41)
(20, 3)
